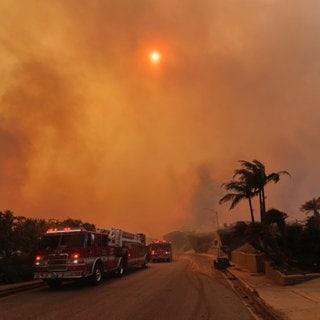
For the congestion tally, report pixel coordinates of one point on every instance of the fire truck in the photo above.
(76, 253)
(160, 250)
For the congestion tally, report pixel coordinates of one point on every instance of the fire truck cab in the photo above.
(75, 253)
(160, 250)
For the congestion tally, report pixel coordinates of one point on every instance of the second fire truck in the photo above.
(160, 250)
(75, 253)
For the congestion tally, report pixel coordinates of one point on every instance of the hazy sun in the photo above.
(155, 57)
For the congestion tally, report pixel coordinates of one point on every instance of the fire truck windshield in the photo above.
(62, 241)
(161, 246)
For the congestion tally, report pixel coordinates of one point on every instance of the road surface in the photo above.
(186, 289)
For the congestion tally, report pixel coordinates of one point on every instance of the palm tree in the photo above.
(280, 249)
(278, 217)
(240, 192)
(311, 206)
(254, 175)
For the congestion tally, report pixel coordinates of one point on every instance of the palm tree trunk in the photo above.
(263, 202)
(261, 206)
(251, 210)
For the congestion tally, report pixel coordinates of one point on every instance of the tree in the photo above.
(6, 227)
(311, 206)
(249, 181)
(275, 216)
(254, 175)
(241, 191)
(27, 232)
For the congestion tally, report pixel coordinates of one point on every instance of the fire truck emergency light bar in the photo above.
(66, 229)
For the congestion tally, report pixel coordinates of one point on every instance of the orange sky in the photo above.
(90, 129)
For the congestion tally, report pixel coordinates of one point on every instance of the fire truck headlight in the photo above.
(78, 261)
(39, 260)
(75, 258)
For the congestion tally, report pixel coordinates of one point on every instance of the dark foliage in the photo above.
(16, 269)
(233, 238)
(290, 247)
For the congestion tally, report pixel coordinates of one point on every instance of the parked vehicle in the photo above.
(160, 250)
(75, 253)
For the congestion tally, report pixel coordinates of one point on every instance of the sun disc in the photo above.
(155, 57)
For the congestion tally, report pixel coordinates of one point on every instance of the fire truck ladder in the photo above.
(118, 236)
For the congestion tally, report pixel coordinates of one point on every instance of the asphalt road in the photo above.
(186, 289)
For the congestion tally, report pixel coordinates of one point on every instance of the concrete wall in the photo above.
(284, 280)
(253, 262)
(256, 263)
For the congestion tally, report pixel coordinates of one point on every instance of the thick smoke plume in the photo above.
(89, 129)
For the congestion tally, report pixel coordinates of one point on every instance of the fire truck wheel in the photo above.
(145, 263)
(120, 270)
(97, 274)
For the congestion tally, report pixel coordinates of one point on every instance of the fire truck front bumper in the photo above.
(162, 257)
(59, 275)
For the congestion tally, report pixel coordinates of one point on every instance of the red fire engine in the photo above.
(75, 253)
(160, 250)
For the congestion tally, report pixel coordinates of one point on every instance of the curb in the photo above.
(6, 290)
(260, 304)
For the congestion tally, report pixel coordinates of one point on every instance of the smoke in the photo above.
(204, 198)
(89, 129)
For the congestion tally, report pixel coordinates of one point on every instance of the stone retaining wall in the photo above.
(253, 262)
(256, 263)
(284, 280)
